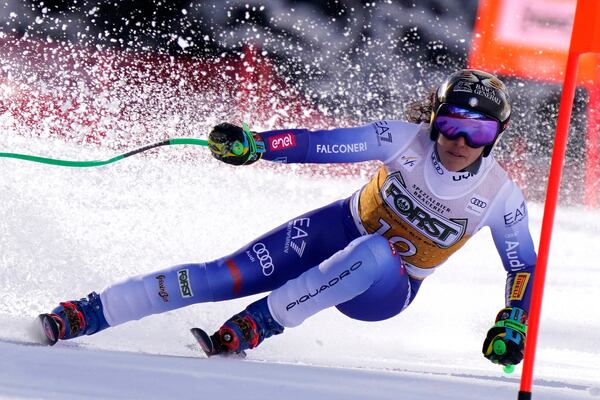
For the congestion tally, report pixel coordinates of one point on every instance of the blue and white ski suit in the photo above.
(340, 255)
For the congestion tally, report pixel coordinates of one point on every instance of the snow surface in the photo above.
(65, 232)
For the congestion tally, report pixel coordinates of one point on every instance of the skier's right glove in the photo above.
(505, 341)
(235, 145)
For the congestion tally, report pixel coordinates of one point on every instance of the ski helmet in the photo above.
(478, 91)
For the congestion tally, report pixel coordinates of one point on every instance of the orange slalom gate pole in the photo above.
(585, 38)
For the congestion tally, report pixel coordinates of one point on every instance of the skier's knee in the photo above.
(382, 253)
(390, 291)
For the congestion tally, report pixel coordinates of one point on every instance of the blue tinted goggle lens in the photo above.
(477, 129)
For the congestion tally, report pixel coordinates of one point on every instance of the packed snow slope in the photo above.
(65, 232)
(31, 372)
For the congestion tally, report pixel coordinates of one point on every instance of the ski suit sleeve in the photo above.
(379, 140)
(510, 230)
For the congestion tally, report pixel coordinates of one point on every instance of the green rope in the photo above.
(97, 163)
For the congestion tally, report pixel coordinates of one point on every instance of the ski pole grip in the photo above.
(509, 369)
(499, 347)
(237, 148)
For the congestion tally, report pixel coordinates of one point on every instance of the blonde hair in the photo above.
(420, 110)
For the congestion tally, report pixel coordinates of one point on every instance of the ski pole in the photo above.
(97, 163)
(237, 148)
(500, 349)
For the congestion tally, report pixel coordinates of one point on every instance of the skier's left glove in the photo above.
(235, 145)
(505, 341)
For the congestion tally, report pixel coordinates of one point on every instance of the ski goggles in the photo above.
(478, 129)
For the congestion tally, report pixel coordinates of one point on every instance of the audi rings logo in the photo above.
(478, 202)
(266, 262)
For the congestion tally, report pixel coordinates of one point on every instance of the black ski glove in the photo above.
(235, 145)
(505, 341)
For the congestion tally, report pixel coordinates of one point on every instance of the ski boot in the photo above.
(243, 331)
(72, 319)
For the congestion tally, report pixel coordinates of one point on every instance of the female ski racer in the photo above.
(366, 255)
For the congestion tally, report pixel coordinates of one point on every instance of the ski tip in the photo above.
(204, 341)
(208, 347)
(48, 330)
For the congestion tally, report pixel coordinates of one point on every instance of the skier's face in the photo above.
(455, 154)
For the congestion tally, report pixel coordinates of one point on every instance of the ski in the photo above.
(209, 348)
(49, 330)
